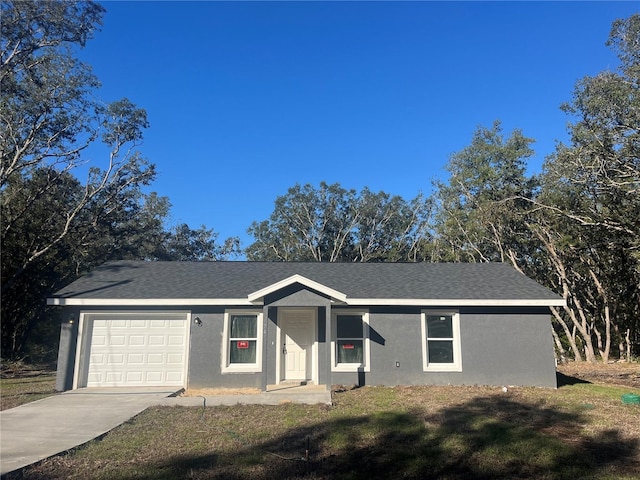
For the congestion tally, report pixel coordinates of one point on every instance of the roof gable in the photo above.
(258, 297)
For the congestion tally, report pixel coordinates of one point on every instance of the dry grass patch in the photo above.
(619, 373)
(578, 431)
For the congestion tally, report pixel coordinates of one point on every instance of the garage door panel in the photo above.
(157, 340)
(115, 359)
(134, 377)
(137, 350)
(116, 340)
(98, 359)
(137, 340)
(153, 377)
(174, 377)
(175, 359)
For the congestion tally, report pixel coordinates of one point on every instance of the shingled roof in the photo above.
(181, 283)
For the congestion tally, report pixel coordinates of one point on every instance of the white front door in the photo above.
(296, 337)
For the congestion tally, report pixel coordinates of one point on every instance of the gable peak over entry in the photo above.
(257, 297)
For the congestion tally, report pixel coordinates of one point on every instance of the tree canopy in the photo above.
(55, 225)
(331, 224)
(574, 226)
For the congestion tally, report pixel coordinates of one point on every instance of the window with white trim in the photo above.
(242, 341)
(441, 341)
(350, 341)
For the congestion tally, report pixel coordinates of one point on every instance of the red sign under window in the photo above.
(348, 346)
(243, 344)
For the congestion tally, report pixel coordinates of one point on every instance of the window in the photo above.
(441, 341)
(350, 342)
(242, 347)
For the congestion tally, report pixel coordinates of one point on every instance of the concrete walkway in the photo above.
(38, 430)
(43, 428)
(275, 395)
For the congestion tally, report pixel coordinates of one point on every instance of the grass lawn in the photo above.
(20, 385)
(581, 430)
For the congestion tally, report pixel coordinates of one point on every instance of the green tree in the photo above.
(307, 224)
(481, 211)
(332, 224)
(54, 226)
(47, 113)
(390, 229)
(590, 205)
(186, 244)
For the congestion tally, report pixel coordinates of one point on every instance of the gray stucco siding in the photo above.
(507, 349)
(395, 337)
(498, 347)
(206, 353)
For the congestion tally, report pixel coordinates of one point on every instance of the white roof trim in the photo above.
(464, 302)
(145, 302)
(258, 296)
(255, 299)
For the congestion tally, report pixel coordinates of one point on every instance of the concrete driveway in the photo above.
(38, 430)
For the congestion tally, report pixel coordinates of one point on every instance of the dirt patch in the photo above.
(627, 374)
(212, 392)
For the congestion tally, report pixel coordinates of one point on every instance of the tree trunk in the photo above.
(570, 336)
(559, 351)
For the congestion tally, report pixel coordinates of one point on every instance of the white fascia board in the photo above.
(146, 302)
(257, 297)
(429, 302)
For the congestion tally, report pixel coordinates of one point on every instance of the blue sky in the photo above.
(246, 99)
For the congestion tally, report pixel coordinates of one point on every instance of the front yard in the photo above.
(581, 430)
(21, 384)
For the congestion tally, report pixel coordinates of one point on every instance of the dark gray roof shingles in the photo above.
(207, 280)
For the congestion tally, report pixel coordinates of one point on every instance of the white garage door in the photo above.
(136, 350)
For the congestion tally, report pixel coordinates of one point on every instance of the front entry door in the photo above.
(296, 338)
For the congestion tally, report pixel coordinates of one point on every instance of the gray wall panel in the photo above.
(513, 348)
(509, 349)
(205, 355)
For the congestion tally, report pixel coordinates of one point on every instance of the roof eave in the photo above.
(144, 302)
(359, 302)
(459, 302)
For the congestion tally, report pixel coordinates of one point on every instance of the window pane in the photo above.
(439, 326)
(349, 326)
(440, 351)
(243, 351)
(244, 326)
(350, 351)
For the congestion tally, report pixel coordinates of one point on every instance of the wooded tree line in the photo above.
(56, 224)
(574, 227)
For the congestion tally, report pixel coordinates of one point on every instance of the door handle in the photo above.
(284, 349)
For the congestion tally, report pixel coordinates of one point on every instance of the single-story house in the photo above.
(258, 324)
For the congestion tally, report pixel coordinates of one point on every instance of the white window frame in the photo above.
(228, 367)
(366, 354)
(456, 366)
